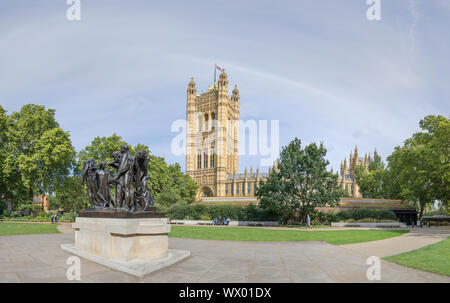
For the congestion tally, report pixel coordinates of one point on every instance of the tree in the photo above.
(420, 168)
(373, 182)
(39, 153)
(69, 196)
(300, 184)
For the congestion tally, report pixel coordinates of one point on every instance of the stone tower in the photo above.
(212, 136)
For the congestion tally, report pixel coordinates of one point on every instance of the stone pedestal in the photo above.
(136, 243)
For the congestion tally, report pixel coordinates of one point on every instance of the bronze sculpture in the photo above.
(89, 177)
(142, 196)
(131, 173)
(103, 180)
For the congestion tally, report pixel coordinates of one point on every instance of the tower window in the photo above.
(232, 188)
(212, 160)
(226, 189)
(205, 162)
(213, 120)
(199, 123)
(199, 160)
(249, 187)
(243, 188)
(206, 122)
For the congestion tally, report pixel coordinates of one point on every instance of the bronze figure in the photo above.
(142, 197)
(131, 173)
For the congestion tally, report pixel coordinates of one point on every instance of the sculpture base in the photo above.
(138, 268)
(131, 244)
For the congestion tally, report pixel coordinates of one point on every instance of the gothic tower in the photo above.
(212, 136)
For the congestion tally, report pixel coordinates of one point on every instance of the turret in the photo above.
(191, 90)
(223, 84)
(235, 96)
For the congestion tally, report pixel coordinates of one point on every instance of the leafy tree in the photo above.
(300, 184)
(374, 182)
(70, 195)
(421, 168)
(39, 153)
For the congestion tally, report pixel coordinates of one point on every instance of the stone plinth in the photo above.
(136, 243)
(123, 239)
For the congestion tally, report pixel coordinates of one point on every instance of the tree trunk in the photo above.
(422, 209)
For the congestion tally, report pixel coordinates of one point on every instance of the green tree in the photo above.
(300, 184)
(69, 196)
(420, 168)
(373, 182)
(39, 153)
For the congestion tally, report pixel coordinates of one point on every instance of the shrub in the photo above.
(181, 210)
(68, 217)
(363, 213)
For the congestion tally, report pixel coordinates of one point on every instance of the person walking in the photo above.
(53, 218)
(308, 221)
(56, 219)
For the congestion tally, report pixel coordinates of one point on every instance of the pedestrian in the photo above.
(56, 219)
(52, 218)
(308, 221)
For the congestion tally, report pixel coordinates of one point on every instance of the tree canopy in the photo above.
(300, 184)
(420, 168)
(38, 154)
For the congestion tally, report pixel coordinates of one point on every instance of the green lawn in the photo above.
(12, 228)
(336, 237)
(434, 258)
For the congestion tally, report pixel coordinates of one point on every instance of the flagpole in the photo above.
(215, 72)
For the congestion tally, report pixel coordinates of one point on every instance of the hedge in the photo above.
(182, 211)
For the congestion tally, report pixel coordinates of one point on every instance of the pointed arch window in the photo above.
(212, 159)
(213, 120)
(199, 123)
(205, 159)
(199, 159)
(206, 122)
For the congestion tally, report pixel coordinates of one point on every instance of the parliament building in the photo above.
(212, 144)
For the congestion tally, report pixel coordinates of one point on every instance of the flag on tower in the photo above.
(219, 68)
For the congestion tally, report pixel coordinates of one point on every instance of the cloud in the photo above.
(320, 68)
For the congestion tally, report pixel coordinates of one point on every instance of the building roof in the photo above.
(374, 203)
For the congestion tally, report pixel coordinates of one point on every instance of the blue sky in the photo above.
(319, 67)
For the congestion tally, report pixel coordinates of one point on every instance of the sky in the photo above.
(319, 67)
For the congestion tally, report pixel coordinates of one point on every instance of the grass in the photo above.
(434, 258)
(13, 228)
(336, 237)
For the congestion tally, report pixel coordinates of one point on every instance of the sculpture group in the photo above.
(130, 182)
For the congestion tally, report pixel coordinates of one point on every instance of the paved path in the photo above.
(416, 238)
(38, 258)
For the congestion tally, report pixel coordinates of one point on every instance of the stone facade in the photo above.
(347, 177)
(212, 142)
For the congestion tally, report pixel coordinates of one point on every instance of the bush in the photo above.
(68, 217)
(363, 213)
(183, 211)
